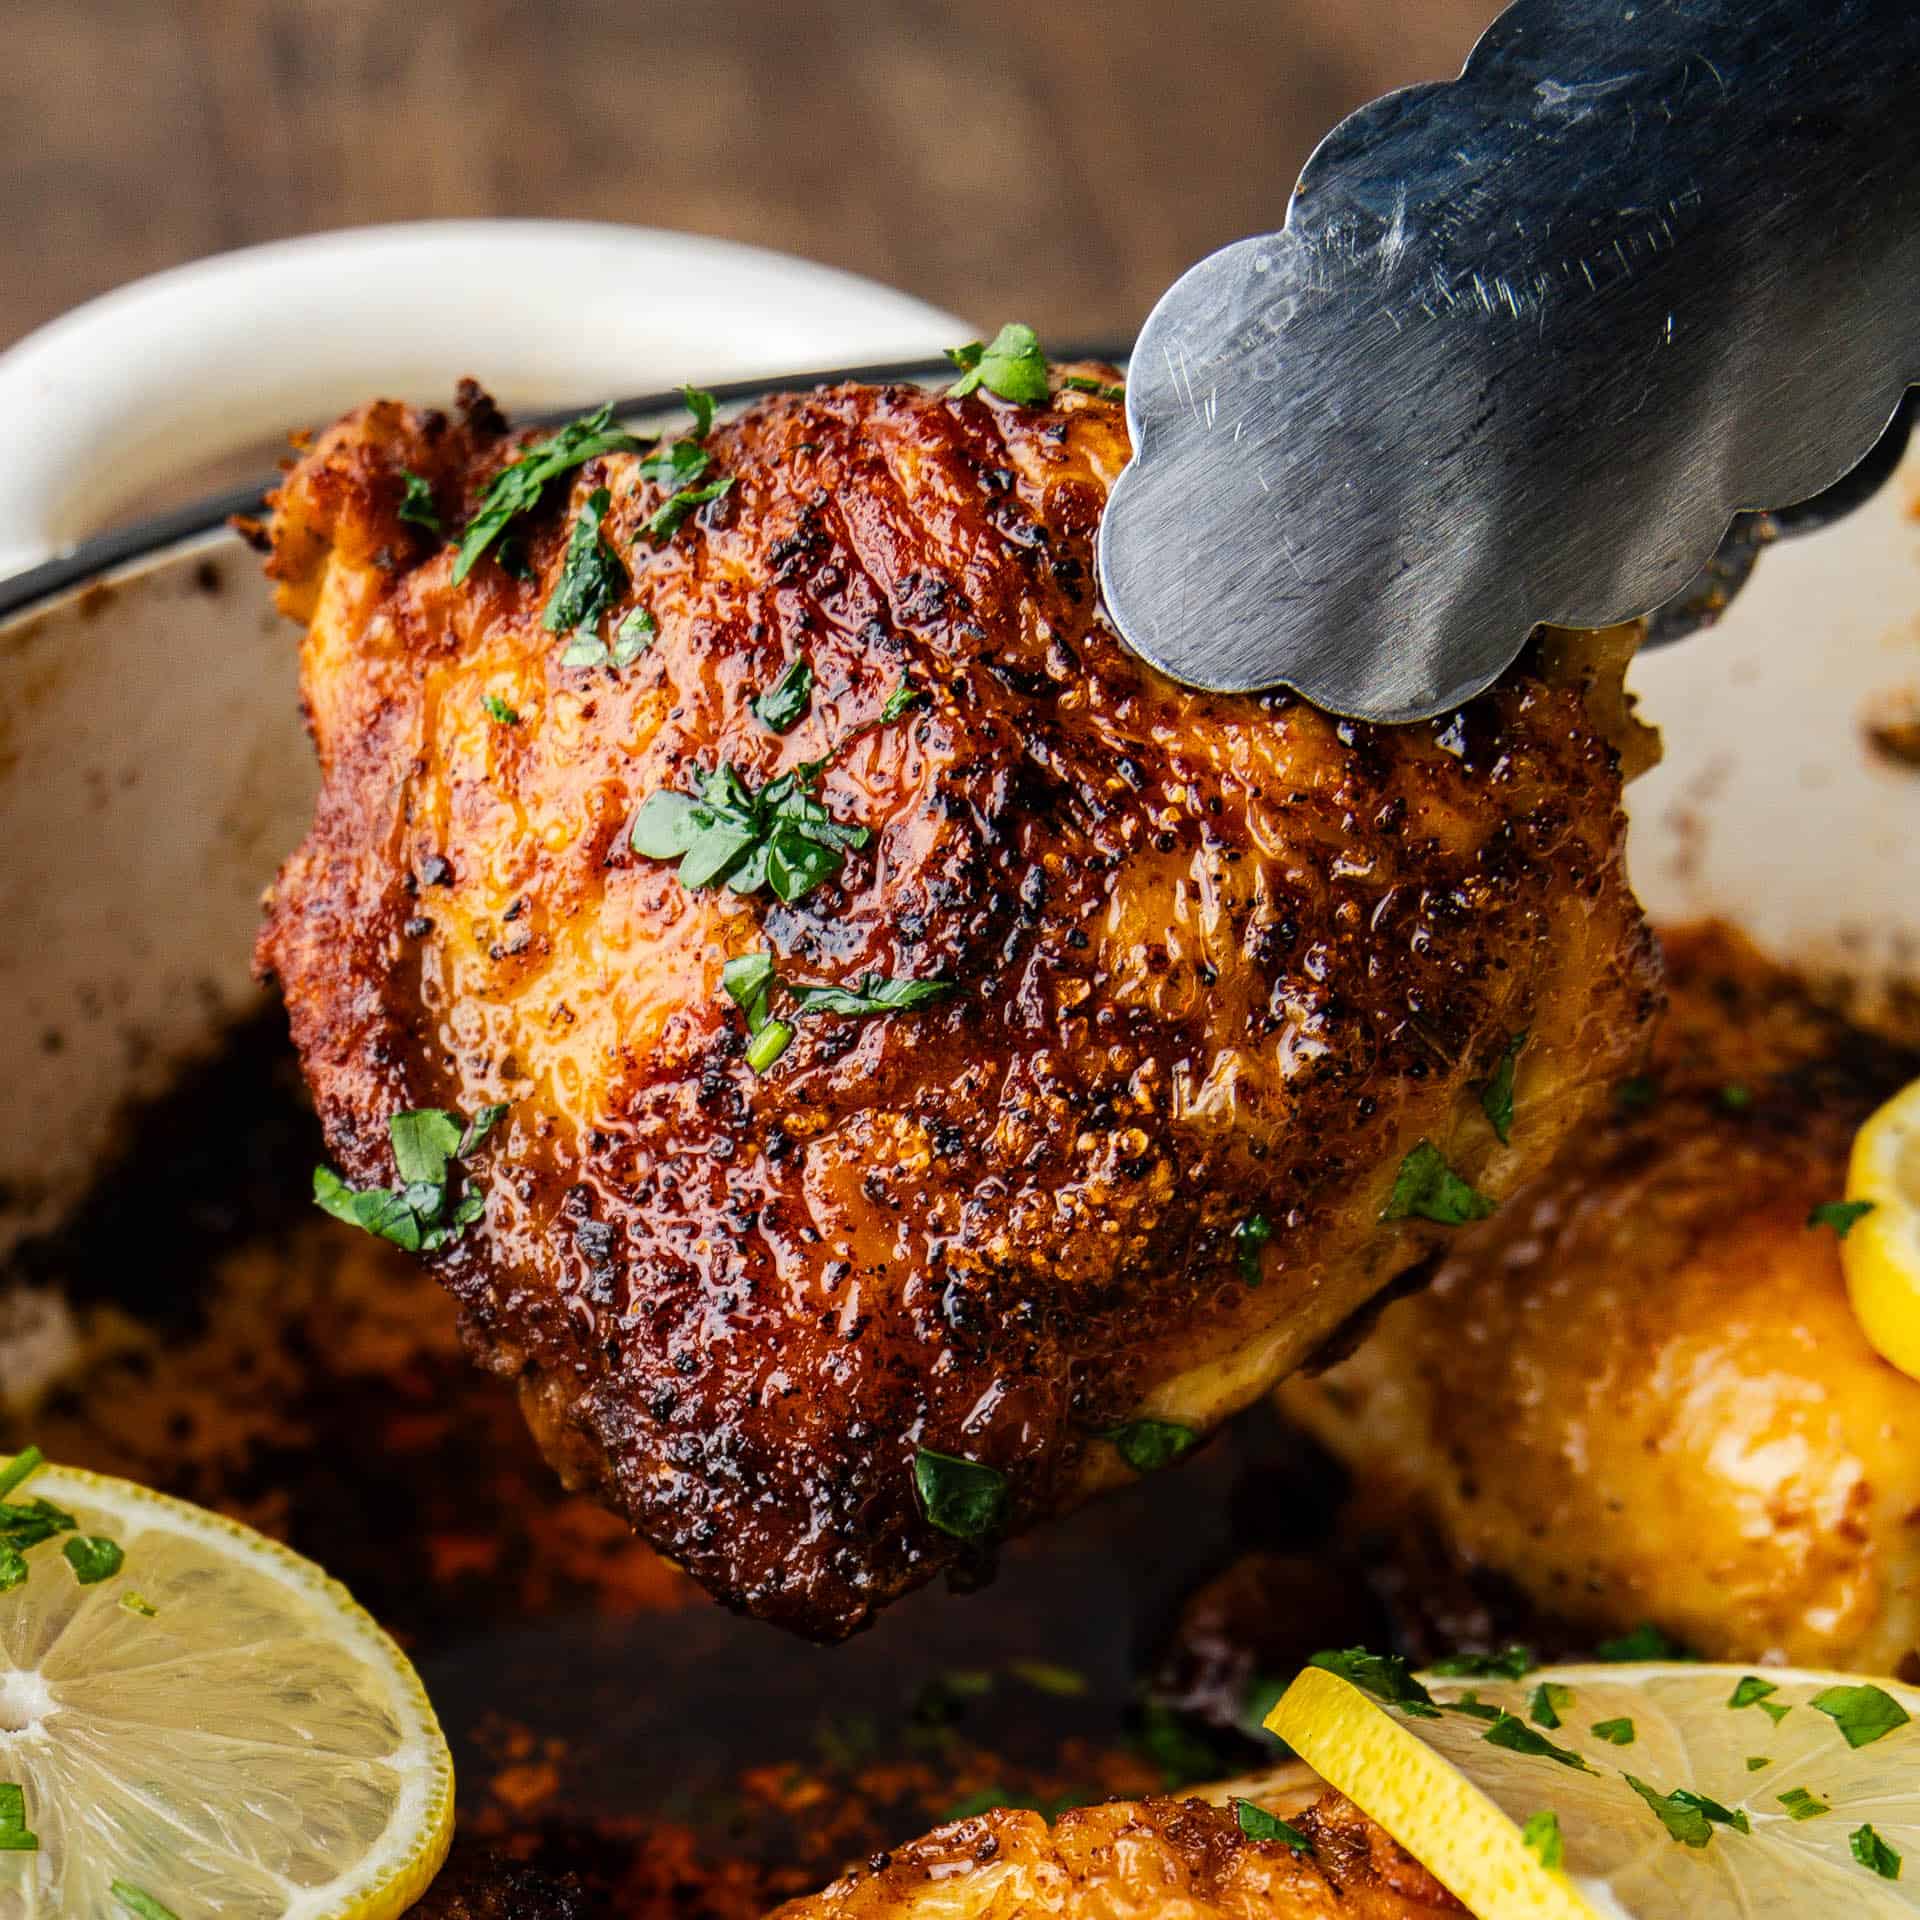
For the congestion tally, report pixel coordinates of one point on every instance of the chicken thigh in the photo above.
(1639, 1393)
(874, 1061)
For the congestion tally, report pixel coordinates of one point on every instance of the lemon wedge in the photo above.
(1880, 1246)
(1656, 1791)
(195, 1721)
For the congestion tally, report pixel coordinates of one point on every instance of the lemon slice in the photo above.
(1881, 1248)
(1762, 1811)
(215, 1728)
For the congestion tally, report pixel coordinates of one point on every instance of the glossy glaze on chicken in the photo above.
(1152, 1857)
(1210, 968)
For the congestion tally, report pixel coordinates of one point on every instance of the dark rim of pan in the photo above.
(109, 551)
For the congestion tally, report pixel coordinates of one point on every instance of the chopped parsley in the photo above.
(1863, 1714)
(1510, 1663)
(1473, 1706)
(92, 1557)
(1873, 1853)
(1714, 1811)
(1802, 1805)
(1549, 1699)
(675, 466)
(1735, 1097)
(415, 1215)
(1496, 1097)
(965, 1498)
(14, 1837)
(1101, 389)
(25, 1525)
(633, 636)
(630, 640)
(140, 1903)
(591, 579)
(1542, 1838)
(499, 712)
(1249, 1237)
(24, 1464)
(1517, 1737)
(674, 513)
(1645, 1642)
(1011, 366)
(1430, 1189)
(140, 1604)
(748, 980)
(784, 704)
(1755, 1692)
(1148, 1445)
(767, 1044)
(1384, 1675)
(516, 489)
(779, 837)
(1258, 1824)
(679, 467)
(904, 695)
(1616, 1733)
(416, 503)
(700, 403)
(1683, 1821)
(875, 994)
(1755, 1761)
(1841, 1215)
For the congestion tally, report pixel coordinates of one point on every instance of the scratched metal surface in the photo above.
(1526, 344)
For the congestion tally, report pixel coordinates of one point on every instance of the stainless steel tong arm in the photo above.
(1527, 344)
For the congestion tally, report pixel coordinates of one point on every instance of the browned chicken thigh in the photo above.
(946, 1066)
(1150, 1858)
(1639, 1393)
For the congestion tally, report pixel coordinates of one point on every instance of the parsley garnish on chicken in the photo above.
(1094, 999)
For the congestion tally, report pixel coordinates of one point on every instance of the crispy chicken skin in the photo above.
(1209, 957)
(1160, 1859)
(1639, 1391)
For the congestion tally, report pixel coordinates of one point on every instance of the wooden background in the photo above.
(1054, 160)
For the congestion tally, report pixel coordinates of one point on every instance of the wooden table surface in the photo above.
(1053, 160)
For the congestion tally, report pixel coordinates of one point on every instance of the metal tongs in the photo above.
(1554, 343)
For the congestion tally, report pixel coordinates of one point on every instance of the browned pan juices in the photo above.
(246, 1352)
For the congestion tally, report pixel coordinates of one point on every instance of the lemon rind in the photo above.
(1881, 1252)
(387, 1880)
(1465, 1841)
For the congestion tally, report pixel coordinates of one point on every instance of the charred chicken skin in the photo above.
(1092, 1047)
(1150, 1858)
(1639, 1392)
